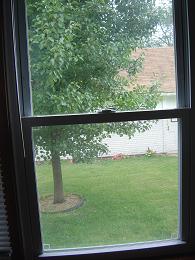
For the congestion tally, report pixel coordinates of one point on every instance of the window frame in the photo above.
(21, 124)
(30, 122)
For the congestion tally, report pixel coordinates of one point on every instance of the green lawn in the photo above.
(130, 200)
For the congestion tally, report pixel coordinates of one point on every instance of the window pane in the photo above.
(89, 55)
(105, 184)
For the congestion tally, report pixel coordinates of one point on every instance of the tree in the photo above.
(77, 49)
(164, 33)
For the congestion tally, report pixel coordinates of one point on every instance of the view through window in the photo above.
(113, 189)
(90, 55)
(111, 182)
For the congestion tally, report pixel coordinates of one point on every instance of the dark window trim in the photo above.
(191, 23)
(180, 16)
(135, 250)
(6, 157)
(24, 246)
(145, 250)
(21, 45)
(103, 117)
(22, 180)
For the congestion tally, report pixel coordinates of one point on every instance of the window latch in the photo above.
(107, 110)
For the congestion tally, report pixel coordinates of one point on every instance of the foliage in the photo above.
(150, 152)
(164, 34)
(77, 49)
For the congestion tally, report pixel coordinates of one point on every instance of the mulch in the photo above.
(72, 202)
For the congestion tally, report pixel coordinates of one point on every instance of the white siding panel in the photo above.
(161, 138)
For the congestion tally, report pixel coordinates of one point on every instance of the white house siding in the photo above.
(168, 101)
(161, 138)
(158, 64)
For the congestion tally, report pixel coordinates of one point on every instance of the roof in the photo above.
(159, 64)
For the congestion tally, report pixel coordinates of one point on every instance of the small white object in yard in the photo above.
(46, 246)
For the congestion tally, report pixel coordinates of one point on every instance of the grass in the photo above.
(131, 200)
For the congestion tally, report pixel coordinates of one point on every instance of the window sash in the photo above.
(184, 221)
(181, 47)
(103, 117)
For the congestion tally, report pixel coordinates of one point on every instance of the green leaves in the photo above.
(77, 49)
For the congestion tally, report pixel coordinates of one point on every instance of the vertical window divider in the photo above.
(182, 53)
(32, 190)
(15, 126)
(184, 178)
(191, 22)
(23, 71)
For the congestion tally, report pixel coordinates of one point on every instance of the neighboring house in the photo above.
(159, 64)
(163, 135)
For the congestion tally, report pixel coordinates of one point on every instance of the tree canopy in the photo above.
(164, 33)
(77, 49)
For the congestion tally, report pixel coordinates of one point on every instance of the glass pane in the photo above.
(105, 184)
(89, 55)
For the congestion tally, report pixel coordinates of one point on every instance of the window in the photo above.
(87, 109)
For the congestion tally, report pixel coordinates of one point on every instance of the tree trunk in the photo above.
(57, 179)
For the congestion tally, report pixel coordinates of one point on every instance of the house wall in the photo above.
(161, 138)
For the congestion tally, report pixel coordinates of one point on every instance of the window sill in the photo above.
(167, 247)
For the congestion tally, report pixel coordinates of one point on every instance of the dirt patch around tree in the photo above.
(72, 201)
